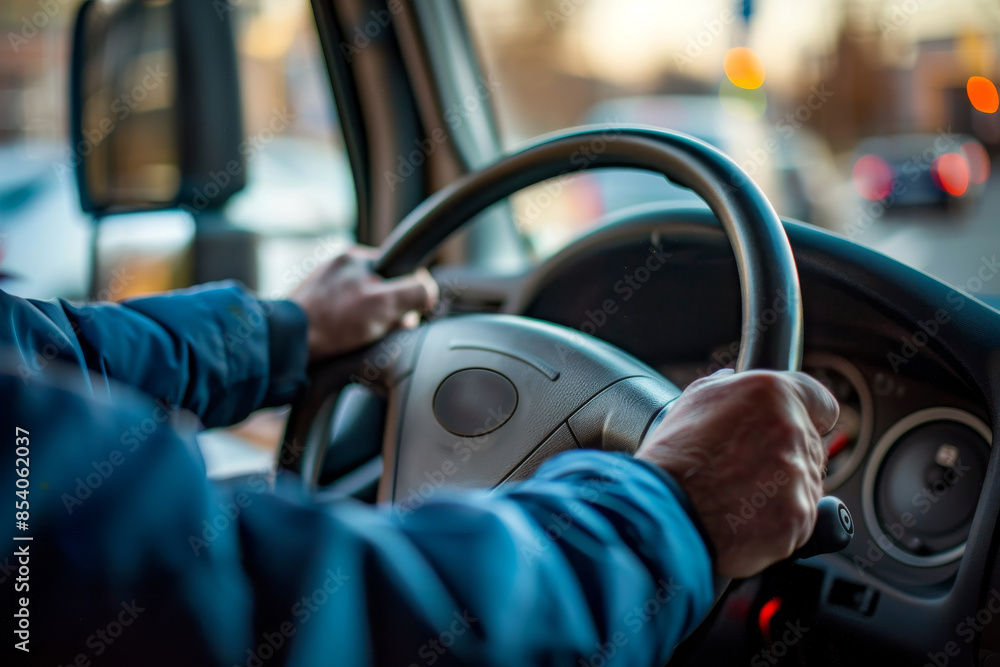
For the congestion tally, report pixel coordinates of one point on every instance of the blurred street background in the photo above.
(873, 118)
(856, 115)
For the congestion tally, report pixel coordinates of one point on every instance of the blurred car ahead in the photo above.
(921, 170)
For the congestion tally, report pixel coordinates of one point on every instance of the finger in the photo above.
(809, 463)
(433, 289)
(720, 374)
(821, 405)
(366, 255)
(816, 452)
(355, 263)
(818, 474)
(410, 320)
(365, 252)
(417, 291)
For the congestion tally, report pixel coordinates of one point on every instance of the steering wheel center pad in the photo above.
(571, 391)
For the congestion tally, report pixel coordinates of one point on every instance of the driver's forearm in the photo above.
(595, 559)
(215, 350)
(622, 570)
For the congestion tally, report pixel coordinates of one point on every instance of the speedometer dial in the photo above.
(922, 485)
(848, 441)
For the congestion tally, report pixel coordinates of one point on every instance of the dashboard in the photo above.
(907, 458)
(913, 363)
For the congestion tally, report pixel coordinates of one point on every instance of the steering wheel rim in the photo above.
(771, 333)
(768, 276)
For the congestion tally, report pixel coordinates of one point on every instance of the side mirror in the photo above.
(155, 110)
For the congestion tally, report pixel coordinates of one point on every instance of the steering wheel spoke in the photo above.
(489, 392)
(479, 400)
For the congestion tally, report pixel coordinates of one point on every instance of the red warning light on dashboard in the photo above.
(767, 613)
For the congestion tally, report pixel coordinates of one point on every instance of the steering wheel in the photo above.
(483, 400)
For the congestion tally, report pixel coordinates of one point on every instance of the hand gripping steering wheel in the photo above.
(482, 400)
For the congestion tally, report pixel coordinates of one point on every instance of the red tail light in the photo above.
(873, 177)
(951, 173)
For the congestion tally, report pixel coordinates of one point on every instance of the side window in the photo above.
(300, 194)
(38, 198)
(299, 203)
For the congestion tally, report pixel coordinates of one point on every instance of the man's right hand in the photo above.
(746, 449)
(349, 306)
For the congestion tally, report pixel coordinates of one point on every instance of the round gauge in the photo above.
(847, 443)
(922, 485)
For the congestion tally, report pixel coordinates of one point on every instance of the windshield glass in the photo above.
(876, 119)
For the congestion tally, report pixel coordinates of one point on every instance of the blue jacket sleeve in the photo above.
(137, 559)
(214, 350)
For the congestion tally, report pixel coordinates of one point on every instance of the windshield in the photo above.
(876, 119)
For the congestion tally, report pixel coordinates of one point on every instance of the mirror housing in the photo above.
(156, 118)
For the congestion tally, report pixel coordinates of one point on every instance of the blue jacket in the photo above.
(134, 558)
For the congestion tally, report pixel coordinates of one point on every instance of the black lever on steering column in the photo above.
(833, 532)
